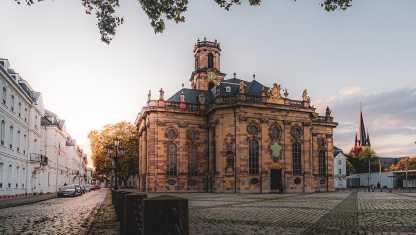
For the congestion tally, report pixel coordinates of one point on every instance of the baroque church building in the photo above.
(233, 136)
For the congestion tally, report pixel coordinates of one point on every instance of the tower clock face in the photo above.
(211, 75)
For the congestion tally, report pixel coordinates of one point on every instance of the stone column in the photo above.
(165, 215)
(133, 214)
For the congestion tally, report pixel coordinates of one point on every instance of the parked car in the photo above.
(92, 187)
(87, 188)
(96, 186)
(79, 188)
(69, 190)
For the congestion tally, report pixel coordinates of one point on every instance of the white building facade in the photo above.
(340, 171)
(27, 154)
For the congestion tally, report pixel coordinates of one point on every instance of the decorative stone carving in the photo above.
(149, 96)
(241, 91)
(306, 123)
(182, 97)
(183, 124)
(305, 96)
(201, 126)
(218, 90)
(286, 93)
(274, 96)
(263, 92)
(329, 135)
(287, 122)
(202, 98)
(241, 118)
(162, 93)
(328, 112)
(263, 120)
(229, 140)
(159, 123)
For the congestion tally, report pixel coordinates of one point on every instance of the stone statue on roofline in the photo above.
(182, 96)
(161, 94)
(202, 98)
(241, 91)
(149, 96)
(305, 96)
(328, 112)
(274, 96)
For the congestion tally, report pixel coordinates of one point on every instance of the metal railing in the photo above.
(37, 157)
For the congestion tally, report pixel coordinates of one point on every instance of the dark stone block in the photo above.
(133, 214)
(165, 215)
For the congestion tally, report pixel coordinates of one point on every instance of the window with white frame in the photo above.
(10, 175)
(24, 144)
(20, 109)
(12, 103)
(36, 121)
(1, 175)
(339, 162)
(25, 114)
(3, 95)
(2, 132)
(18, 141)
(24, 177)
(17, 176)
(11, 136)
(340, 171)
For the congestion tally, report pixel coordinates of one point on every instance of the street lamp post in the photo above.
(121, 151)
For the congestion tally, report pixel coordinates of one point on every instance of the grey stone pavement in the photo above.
(343, 212)
(53, 216)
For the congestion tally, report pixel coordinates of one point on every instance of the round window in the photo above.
(275, 133)
(253, 130)
(296, 133)
(171, 134)
(321, 143)
(192, 135)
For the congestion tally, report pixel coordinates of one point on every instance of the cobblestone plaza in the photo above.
(342, 212)
(319, 213)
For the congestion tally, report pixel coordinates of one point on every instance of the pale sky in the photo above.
(366, 54)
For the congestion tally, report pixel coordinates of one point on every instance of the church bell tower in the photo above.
(207, 72)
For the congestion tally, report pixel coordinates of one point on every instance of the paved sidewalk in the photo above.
(5, 203)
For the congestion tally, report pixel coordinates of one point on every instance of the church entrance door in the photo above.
(276, 179)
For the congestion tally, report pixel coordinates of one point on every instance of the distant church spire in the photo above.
(363, 139)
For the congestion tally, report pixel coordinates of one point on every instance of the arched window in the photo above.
(171, 161)
(322, 168)
(253, 159)
(192, 160)
(210, 60)
(296, 151)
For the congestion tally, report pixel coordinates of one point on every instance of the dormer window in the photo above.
(228, 89)
(210, 60)
(2, 64)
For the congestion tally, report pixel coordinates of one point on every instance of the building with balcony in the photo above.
(30, 140)
(21, 109)
(233, 136)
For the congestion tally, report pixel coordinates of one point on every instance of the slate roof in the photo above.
(386, 162)
(192, 96)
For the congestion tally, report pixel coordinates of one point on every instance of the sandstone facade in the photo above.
(233, 136)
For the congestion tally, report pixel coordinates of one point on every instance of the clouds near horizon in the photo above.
(389, 117)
